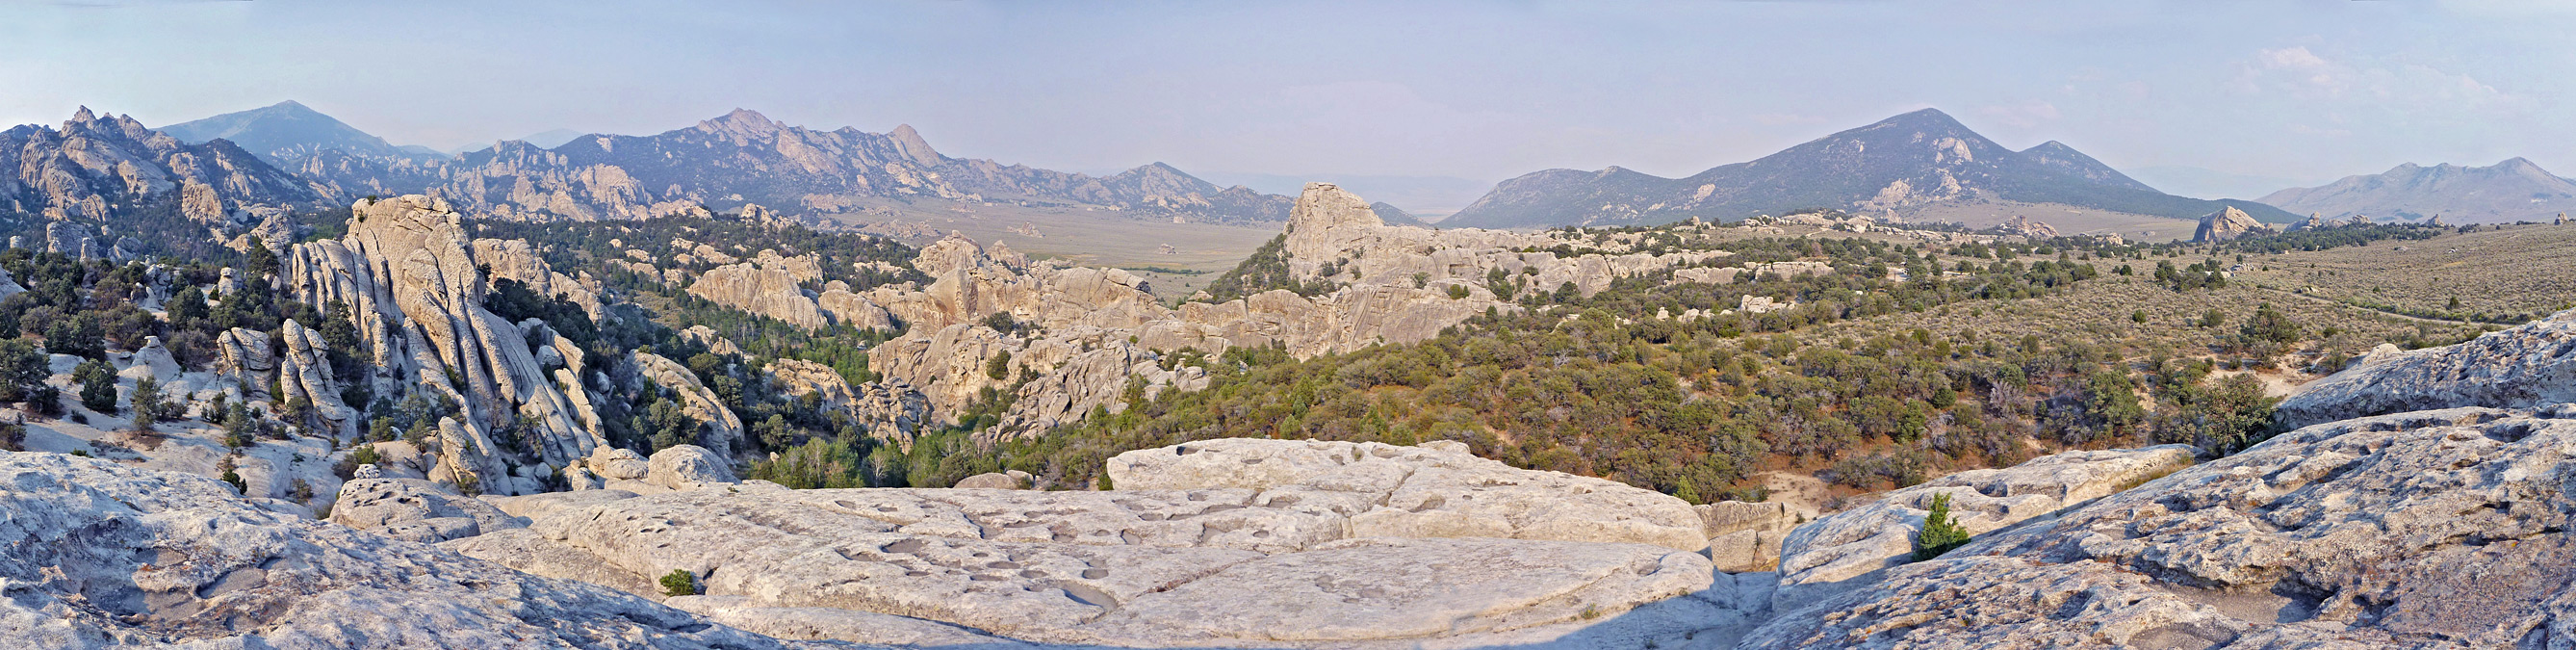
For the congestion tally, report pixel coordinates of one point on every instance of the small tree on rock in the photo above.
(679, 582)
(1940, 532)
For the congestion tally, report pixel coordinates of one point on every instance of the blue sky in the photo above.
(2298, 90)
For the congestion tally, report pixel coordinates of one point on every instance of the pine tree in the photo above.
(1940, 532)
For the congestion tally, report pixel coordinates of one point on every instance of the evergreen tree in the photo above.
(1940, 532)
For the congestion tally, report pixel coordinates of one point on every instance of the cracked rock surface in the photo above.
(1294, 558)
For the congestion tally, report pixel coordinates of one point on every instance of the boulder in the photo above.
(1850, 548)
(618, 464)
(1012, 480)
(152, 360)
(415, 510)
(688, 467)
(798, 377)
(99, 555)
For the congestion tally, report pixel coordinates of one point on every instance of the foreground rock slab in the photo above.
(99, 555)
(1306, 559)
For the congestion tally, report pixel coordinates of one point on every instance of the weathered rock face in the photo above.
(1849, 548)
(412, 279)
(304, 371)
(2423, 529)
(2526, 366)
(1745, 537)
(797, 377)
(723, 430)
(243, 356)
(98, 555)
(2228, 223)
(416, 510)
(1308, 558)
(763, 289)
(513, 259)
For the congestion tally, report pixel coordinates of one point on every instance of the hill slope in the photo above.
(1903, 163)
(2513, 190)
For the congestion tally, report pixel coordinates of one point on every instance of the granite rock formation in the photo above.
(2226, 224)
(414, 281)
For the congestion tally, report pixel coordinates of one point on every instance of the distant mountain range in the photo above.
(741, 157)
(1395, 216)
(1908, 162)
(2513, 190)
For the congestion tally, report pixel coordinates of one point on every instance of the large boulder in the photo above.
(97, 555)
(1288, 563)
(416, 510)
(688, 467)
(723, 430)
(1850, 548)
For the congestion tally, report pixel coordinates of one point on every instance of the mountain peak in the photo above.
(742, 122)
(913, 147)
(83, 115)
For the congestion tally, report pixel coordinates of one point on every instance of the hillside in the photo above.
(2508, 191)
(1900, 165)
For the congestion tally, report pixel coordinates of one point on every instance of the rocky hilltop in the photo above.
(1895, 166)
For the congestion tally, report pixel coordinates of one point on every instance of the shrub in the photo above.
(679, 582)
(1940, 532)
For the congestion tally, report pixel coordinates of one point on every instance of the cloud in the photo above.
(2409, 87)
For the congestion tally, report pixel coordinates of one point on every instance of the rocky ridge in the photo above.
(2228, 223)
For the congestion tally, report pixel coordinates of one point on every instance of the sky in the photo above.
(2290, 91)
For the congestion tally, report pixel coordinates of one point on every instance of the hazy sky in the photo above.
(2303, 90)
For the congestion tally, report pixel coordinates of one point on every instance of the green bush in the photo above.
(1940, 532)
(679, 582)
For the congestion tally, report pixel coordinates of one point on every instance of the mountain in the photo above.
(1904, 163)
(744, 157)
(2513, 190)
(285, 134)
(95, 169)
(1395, 216)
